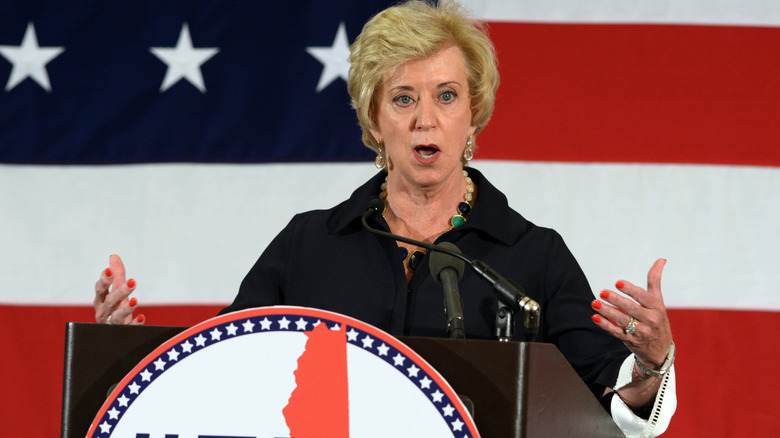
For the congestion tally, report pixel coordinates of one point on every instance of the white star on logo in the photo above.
(437, 396)
(216, 335)
(334, 59)
(231, 329)
(368, 342)
(383, 349)
(425, 383)
(29, 60)
(113, 414)
(134, 388)
(105, 427)
(146, 376)
(123, 401)
(412, 370)
(173, 355)
(336, 327)
(317, 323)
(200, 341)
(184, 61)
(265, 324)
(398, 360)
(159, 364)
(457, 424)
(248, 326)
(301, 324)
(186, 347)
(284, 323)
(448, 410)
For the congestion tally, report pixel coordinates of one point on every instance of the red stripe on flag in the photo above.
(636, 93)
(725, 383)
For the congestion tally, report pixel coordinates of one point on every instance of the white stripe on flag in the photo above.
(721, 12)
(190, 232)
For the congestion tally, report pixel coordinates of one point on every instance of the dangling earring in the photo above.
(468, 154)
(379, 161)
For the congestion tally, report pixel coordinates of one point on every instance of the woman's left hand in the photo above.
(649, 336)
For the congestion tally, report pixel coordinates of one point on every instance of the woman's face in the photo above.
(424, 118)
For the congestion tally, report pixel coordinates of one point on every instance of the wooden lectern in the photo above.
(518, 389)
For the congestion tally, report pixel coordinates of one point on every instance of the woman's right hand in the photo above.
(112, 303)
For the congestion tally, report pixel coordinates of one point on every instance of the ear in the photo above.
(376, 134)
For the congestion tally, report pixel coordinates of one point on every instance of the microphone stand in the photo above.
(510, 296)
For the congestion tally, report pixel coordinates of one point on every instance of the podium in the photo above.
(517, 389)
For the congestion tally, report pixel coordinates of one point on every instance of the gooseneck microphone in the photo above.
(447, 271)
(507, 292)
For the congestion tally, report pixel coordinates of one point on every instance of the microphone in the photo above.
(447, 271)
(510, 294)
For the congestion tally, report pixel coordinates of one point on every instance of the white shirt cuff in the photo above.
(663, 408)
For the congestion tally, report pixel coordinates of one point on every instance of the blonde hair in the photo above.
(416, 30)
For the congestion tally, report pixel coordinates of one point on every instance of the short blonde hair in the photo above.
(416, 30)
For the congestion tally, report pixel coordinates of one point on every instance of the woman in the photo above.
(423, 80)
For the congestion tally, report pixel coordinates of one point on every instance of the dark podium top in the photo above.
(518, 389)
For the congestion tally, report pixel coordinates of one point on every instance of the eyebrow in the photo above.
(410, 88)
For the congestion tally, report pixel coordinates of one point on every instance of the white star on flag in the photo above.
(334, 59)
(216, 335)
(284, 323)
(398, 360)
(437, 396)
(352, 335)
(448, 410)
(159, 364)
(301, 324)
(336, 327)
(186, 347)
(200, 341)
(134, 388)
(383, 349)
(184, 61)
(368, 342)
(425, 383)
(29, 60)
(231, 329)
(249, 326)
(146, 376)
(412, 370)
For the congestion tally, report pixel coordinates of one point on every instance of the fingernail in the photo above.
(133, 302)
(596, 319)
(619, 284)
(604, 294)
(141, 318)
(131, 283)
(596, 304)
(108, 272)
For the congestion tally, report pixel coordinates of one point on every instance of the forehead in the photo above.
(446, 65)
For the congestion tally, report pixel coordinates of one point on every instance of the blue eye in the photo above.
(447, 96)
(403, 100)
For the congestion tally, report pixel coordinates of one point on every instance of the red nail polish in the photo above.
(604, 294)
(141, 318)
(108, 272)
(133, 302)
(596, 319)
(596, 304)
(619, 284)
(131, 283)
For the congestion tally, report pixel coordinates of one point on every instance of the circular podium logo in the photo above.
(283, 372)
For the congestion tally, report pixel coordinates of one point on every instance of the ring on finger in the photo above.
(108, 320)
(630, 328)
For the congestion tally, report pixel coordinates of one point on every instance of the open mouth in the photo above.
(426, 151)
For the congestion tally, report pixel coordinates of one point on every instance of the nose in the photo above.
(426, 115)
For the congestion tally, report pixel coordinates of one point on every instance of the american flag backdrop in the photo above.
(183, 135)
